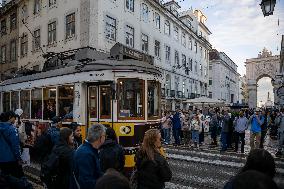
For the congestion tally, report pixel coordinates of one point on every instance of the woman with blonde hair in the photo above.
(152, 168)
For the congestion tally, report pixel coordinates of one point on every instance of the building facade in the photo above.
(9, 32)
(223, 78)
(177, 40)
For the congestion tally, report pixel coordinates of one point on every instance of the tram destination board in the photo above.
(137, 55)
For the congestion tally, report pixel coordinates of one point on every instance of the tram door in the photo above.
(99, 104)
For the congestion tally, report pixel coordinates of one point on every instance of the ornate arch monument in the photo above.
(265, 65)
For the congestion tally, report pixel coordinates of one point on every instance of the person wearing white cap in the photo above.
(20, 126)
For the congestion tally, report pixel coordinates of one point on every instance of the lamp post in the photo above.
(267, 7)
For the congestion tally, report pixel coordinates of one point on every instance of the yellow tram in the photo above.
(121, 90)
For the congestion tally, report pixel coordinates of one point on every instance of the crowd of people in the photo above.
(98, 162)
(188, 128)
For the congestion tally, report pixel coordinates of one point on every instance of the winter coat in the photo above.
(176, 121)
(255, 126)
(65, 154)
(53, 131)
(226, 124)
(9, 143)
(87, 166)
(111, 156)
(152, 174)
(42, 147)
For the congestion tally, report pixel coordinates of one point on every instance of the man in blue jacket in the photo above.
(86, 159)
(176, 127)
(256, 121)
(10, 152)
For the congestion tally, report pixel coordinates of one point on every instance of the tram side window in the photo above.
(153, 99)
(130, 96)
(25, 104)
(6, 101)
(49, 103)
(36, 104)
(105, 102)
(65, 102)
(14, 100)
(92, 102)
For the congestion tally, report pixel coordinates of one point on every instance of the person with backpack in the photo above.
(152, 169)
(57, 170)
(111, 153)
(87, 168)
(10, 151)
(279, 122)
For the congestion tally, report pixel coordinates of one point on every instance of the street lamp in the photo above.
(267, 7)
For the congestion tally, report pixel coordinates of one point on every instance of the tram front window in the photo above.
(36, 98)
(65, 102)
(131, 94)
(25, 104)
(6, 101)
(14, 100)
(153, 99)
(92, 102)
(49, 103)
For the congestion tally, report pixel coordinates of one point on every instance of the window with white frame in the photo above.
(157, 20)
(70, 25)
(176, 58)
(157, 48)
(13, 21)
(195, 46)
(201, 69)
(36, 39)
(36, 6)
(129, 4)
(195, 67)
(13, 51)
(52, 33)
(176, 33)
(3, 27)
(190, 43)
(201, 53)
(144, 42)
(167, 27)
(190, 64)
(168, 53)
(145, 12)
(183, 39)
(3, 54)
(51, 2)
(24, 45)
(129, 37)
(110, 30)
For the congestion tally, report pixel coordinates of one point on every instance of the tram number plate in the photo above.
(125, 130)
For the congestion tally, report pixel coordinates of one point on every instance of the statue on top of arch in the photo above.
(264, 54)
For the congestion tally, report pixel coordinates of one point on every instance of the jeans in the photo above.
(195, 136)
(224, 141)
(167, 135)
(256, 143)
(176, 133)
(262, 137)
(237, 138)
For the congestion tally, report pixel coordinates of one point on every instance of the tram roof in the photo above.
(98, 65)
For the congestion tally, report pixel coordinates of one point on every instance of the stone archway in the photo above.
(265, 65)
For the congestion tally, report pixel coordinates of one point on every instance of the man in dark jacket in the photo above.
(10, 152)
(225, 130)
(111, 153)
(86, 159)
(176, 127)
(53, 130)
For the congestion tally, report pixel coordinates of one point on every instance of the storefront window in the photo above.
(49, 103)
(14, 100)
(65, 102)
(36, 97)
(105, 95)
(92, 102)
(25, 104)
(153, 99)
(130, 96)
(6, 101)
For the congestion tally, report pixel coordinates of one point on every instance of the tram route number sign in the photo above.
(125, 130)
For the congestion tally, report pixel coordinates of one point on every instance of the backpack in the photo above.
(49, 170)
